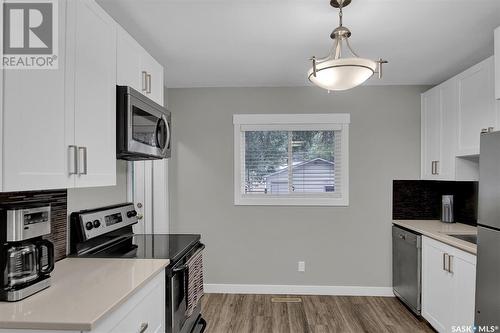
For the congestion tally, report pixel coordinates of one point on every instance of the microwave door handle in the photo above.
(167, 141)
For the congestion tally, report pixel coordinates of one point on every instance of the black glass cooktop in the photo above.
(146, 246)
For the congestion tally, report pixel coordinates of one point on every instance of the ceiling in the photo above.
(236, 43)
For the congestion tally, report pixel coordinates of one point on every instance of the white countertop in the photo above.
(439, 230)
(83, 291)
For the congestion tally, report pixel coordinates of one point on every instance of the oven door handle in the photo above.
(185, 266)
(180, 269)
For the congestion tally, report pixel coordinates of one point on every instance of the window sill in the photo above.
(289, 201)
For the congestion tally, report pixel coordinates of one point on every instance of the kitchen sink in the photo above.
(467, 238)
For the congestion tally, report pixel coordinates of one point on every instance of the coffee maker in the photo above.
(26, 259)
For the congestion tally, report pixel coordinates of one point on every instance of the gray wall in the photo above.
(84, 198)
(261, 245)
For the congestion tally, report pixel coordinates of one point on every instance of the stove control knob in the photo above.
(131, 213)
(97, 223)
(89, 225)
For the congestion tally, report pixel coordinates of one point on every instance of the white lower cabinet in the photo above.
(448, 285)
(143, 312)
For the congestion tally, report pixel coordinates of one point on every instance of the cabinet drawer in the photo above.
(148, 315)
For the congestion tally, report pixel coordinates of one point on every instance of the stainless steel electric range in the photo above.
(107, 233)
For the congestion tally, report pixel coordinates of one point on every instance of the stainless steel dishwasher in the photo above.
(407, 267)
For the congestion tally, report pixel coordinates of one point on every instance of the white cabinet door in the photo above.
(437, 289)
(36, 131)
(448, 285)
(464, 274)
(431, 133)
(1, 100)
(497, 63)
(128, 61)
(155, 78)
(94, 75)
(476, 106)
(449, 100)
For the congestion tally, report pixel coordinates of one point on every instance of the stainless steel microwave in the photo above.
(143, 127)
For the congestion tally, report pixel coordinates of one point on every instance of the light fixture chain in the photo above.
(340, 14)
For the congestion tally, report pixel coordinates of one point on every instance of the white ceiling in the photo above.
(228, 43)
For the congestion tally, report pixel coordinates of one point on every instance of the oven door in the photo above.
(178, 295)
(148, 129)
(177, 320)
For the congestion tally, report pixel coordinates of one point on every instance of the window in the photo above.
(291, 159)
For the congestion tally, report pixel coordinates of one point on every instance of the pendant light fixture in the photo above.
(336, 73)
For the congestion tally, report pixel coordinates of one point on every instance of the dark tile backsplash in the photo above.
(58, 201)
(421, 200)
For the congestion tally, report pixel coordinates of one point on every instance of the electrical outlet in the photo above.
(301, 267)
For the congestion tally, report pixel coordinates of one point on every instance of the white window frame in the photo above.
(318, 121)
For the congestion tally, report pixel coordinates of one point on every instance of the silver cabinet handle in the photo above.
(144, 327)
(82, 160)
(436, 167)
(148, 76)
(433, 163)
(445, 261)
(450, 261)
(72, 160)
(144, 81)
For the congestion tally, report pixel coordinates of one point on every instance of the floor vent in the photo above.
(286, 300)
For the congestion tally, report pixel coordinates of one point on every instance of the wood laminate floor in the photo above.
(226, 313)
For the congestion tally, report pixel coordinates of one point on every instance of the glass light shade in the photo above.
(343, 73)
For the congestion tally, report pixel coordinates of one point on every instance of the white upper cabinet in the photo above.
(431, 132)
(128, 62)
(93, 61)
(59, 126)
(497, 63)
(448, 285)
(476, 107)
(154, 78)
(137, 68)
(454, 114)
(36, 135)
(438, 132)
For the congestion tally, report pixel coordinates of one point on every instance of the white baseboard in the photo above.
(298, 290)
